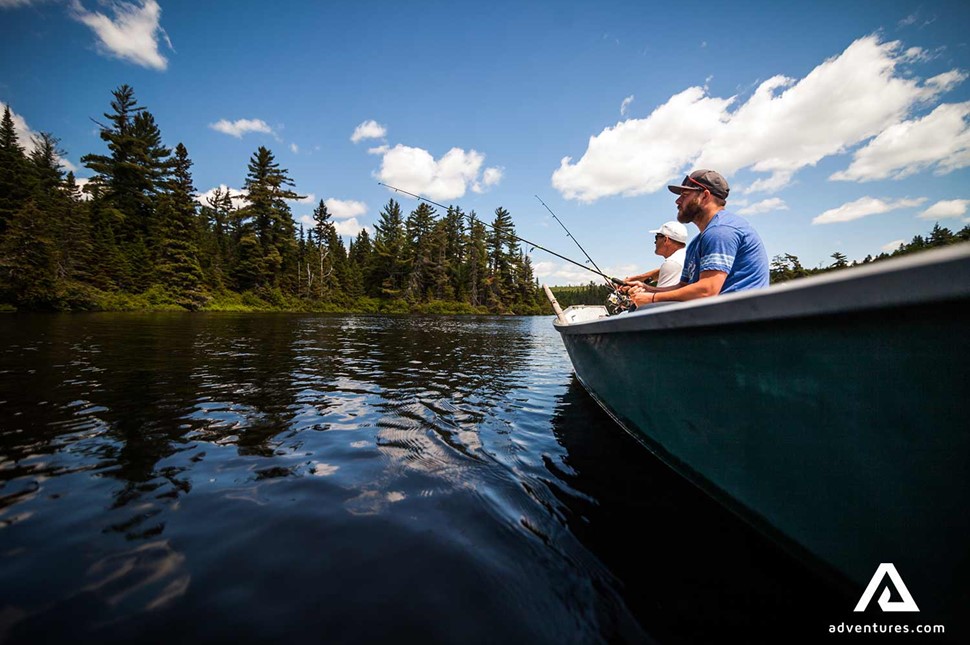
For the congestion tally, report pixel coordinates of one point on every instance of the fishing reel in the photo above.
(618, 302)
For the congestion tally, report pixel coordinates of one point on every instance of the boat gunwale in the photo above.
(930, 276)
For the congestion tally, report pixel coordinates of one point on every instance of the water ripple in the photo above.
(156, 447)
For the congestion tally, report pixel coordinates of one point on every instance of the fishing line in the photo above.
(615, 281)
(570, 235)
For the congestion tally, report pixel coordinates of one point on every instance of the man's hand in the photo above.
(630, 284)
(641, 294)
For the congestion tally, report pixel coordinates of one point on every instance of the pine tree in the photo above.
(178, 267)
(248, 269)
(120, 175)
(454, 223)
(527, 290)
(388, 260)
(28, 269)
(940, 236)
(268, 188)
(503, 250)
(358, 259)
(46, 166)
(328, 285)
(127, 183)
(59, 201)
(786, 267)
(360, 249)
(439, 269)
(14, 174)
(111, 270)
(476, 261)
(218, 247)
(74, 234)
(337, 253)
(418, 251)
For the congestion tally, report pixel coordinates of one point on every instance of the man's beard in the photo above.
(689, 212)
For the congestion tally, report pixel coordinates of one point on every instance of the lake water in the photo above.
(265, 478)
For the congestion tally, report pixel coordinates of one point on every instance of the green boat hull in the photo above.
(842, 433)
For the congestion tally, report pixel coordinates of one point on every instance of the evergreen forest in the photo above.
(136, 237)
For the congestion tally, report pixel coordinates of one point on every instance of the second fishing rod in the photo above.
(616, 281)
(612, 285)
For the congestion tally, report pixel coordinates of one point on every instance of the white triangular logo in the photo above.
(906, 604)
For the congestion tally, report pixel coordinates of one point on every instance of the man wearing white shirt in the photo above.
(670, 241)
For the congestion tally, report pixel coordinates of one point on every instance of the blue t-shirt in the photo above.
(728, 244)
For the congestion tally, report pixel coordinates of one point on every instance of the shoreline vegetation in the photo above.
(135, 237)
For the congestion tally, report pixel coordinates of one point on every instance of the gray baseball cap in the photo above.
(703, 180)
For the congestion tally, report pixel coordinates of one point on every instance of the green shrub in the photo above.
(394, 307)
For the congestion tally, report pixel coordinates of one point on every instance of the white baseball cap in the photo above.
(674, 230)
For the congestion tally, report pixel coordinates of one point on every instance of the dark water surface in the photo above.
(255, 477)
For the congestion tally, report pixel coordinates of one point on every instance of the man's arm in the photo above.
(643, 277)
(639, 280)
(709, 284)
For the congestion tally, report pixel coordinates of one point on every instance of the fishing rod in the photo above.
(616, 281)
(570, 235)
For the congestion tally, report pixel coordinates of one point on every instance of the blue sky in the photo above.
(840, 126)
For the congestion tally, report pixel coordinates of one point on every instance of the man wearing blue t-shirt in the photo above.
(726, 256)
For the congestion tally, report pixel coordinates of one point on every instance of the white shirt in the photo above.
(672, 268)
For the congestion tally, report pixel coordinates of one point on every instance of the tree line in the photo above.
(137, 237)
(788, 267)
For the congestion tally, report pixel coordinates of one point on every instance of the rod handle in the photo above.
(555, 306)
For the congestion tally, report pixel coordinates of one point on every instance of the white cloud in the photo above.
(309, 198)
(625, 104)
(133, 33)
(238, 195)
(908, 20)
(864, 207)
(946, 209)
(67, 165)
(771, 184)
(295, 149)
(490, 177)
(240, 127)
(348, 227)
(81, 183)
(947, 80)
(417, 171)
(889, 247)
(786, 124)
(557, 274)
(941, 139)
(640, 156)
(764, 206)
(345, 209)
(27, 137)
(10, 4)
(368, 130)
(916, 54)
